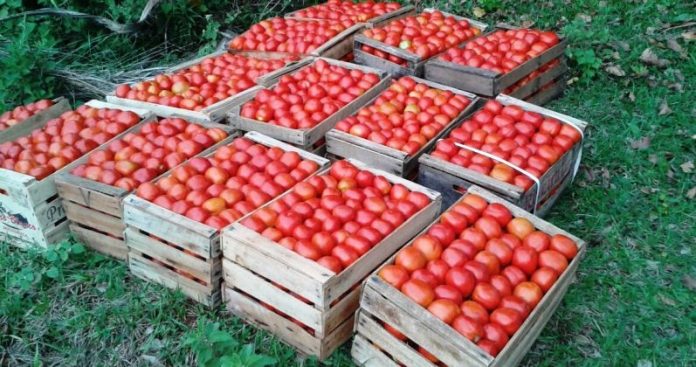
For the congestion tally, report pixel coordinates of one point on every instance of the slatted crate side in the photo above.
(388, 305)
(215, 112)
(534, 86)
(308, 137)
(246, 307)
(36, 121)
(485, 82)
(342, 144)
(548, 92)
(553, 178)
(96, 209)
(415, 65)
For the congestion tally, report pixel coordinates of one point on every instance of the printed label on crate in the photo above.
(14, 220)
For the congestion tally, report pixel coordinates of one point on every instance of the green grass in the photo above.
(633, 303)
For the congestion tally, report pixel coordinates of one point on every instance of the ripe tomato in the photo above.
(469, 328)
(461, 279)
(564, 245)
(545, 277)
(419, 292)
(520, 227)
(526, 259)
(517, 304)
(537, 240)
(429, 246)
(454, 257)
(445, 310)
(395, 333)
(439, 268)
(449, 292)
(489, 260)
(498, 212)
(510, 320)
(489, 226)
(475, 202)
(489, 347)
(500, 249)
(410, 258)
(474, 311)
(501, 284)
(480, 271)
(425, 276)
(529, 292)
(496, 334)
(554, 260)
(486, 295)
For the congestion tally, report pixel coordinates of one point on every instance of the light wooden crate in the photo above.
(35, 121)
(259, 272)
(178, 252)
(378, 21)
(31, 211)
(95, 210)
(415, 65)
(452, 180)
(382, 303)
(536, 91)
(217, 111)
(342, 144)
(306, 138)
(485, 82)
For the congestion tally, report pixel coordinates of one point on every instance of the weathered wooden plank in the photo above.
(366, 354)
(100, 242)
(94, 219)
(91, 194)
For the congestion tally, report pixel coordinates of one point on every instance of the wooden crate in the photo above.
(534, 87)
(485, 82)
(381, 303)
(95, 210)
(380, 156)
(453, 179)
(378, 21)
(549, 92)
(217, 111)
(306, 138)
(259, 272)
(36, 121)
(31, 211)
(415, 65)
(178, 252)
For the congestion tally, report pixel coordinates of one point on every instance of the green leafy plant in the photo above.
(54, 260)
(217, 348)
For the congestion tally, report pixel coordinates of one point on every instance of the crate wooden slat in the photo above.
(415, 65)
(36, 121)
(178, 252)
(214, 112)
(451, 179)
(485, 82)
(263, 272)
(95, 210)
(382, 303)
(534, 86)
(380, 156)
(31, 211)
(548, 92)
(307, 137)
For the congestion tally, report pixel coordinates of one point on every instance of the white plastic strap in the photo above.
(577, 161)
(537, 183)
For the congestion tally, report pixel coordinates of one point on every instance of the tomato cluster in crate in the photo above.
(288, 35)
(64, 139)
(425, 35)
(337, 217)
(406, 116)
(526, 139)
(502, 50)
(534, 74)
(199, 86)
(140, 157)
(480, 270)
(347, 10)
(235, 180)
(306, 98)
(21, 113)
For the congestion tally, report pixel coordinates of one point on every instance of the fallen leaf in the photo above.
(689, 282)
(652, 158)
(152, 360)
(687, 167)
(691, 193)
(615, 70)
(664, 108)
(689, 35)
(650, 31)
(666, 300)
(670, 174)
(650, 57)
(621, 46)
(640, 144)
(527, 24)
(644, 363)
(673, 45)
(584, 17)
(479, 12)
(631, 96)
(572, 80)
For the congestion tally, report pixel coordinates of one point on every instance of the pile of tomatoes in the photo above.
(64, 139)
(142, 156)
(502, 50)
(306, 98)
(480, 270)
(526, 139)
(347, 10)
(337, 217)
(196, 87)
(289, 35)
(406, 116)
(522, 82)
(235, 180)
(21, 113)
(425, 35)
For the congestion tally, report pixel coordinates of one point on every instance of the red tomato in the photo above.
(526, 259)
(444, 309)
(419, 292)
(474, 311)
(486, 295)
(510, 320)
(410, 258)
(529, 292)
(564, 245)
(469, 328)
